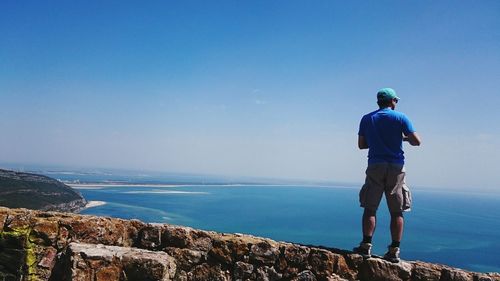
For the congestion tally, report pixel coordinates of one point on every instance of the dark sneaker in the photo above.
(392, 254)
(364, 249)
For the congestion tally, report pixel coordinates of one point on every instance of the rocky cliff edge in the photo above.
(36, 245)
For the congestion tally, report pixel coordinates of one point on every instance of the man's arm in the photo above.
(362, 142)
(413, 139)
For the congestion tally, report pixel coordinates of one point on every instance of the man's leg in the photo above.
(397, 225)
(396, 203)
(369, 198)
(369, 223)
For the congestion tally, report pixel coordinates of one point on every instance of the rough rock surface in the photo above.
(99, 262)
(37, 245)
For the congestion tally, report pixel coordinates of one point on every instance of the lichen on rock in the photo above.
(17, 253)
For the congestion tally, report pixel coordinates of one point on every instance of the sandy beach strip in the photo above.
(164, 192)
(91, 204)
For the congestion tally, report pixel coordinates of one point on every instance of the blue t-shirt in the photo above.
(383, 131)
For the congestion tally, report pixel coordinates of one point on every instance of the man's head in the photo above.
(387, 97)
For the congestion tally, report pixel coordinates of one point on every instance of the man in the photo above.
(382, 132)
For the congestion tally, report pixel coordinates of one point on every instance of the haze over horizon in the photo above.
(252, 89)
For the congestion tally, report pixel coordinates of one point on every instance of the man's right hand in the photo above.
(412, 139)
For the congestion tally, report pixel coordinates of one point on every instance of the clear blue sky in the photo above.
(249, 88)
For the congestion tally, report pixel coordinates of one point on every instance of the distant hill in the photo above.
(32, 191)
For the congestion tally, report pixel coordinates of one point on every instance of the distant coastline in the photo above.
(99, 185)
(92, 185)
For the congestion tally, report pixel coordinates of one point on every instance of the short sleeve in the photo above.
(407, 126)
(362, 125)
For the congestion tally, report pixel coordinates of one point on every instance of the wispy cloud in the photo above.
(484, 137)
(260, 102)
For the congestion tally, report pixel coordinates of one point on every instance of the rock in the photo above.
(53, 246)
(186, 258)
(295, 255)
(18, 221)
(3, 218)
(426, 271)
(290, 272)
(451, 274)
(322, 262)
(228, 249)
(221, 252)
(175, 236)
(484, 277)
(201, 241)
(63, 237)
(99, 262)
(239, 248)
(379, 269)
(49, 258)
(268, 274)
(305, 275)
(150, 237)
(335, 277)
(205, 272)
(97, 230)
(243, 271)
(12, 255)
(46, 230)
(264, 253)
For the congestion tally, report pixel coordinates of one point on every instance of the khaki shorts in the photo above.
(385, 178)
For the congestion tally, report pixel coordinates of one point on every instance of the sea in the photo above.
(456, 228)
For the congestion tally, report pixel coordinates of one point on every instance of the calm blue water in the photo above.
(457, 229)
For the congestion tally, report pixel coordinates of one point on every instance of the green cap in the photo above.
(387, 94)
